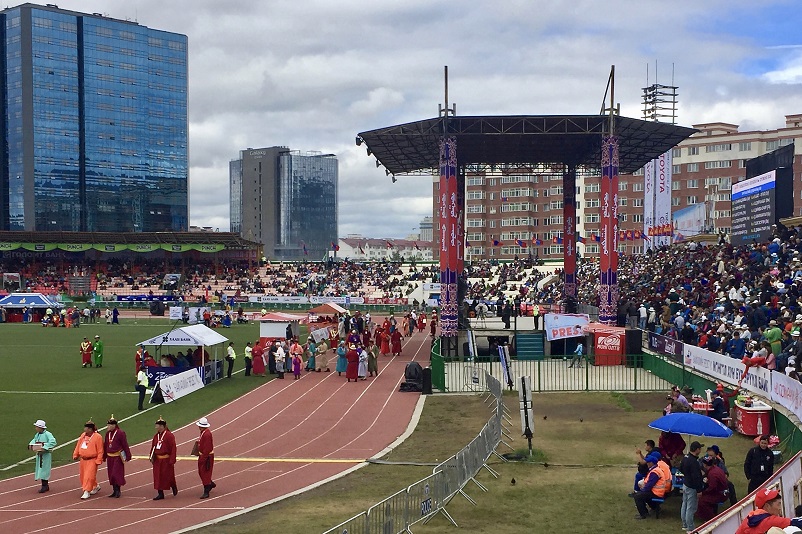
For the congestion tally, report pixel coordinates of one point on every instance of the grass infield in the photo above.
(591, 465)
(43, 379)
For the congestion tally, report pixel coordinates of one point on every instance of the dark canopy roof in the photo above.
(230, 240)
(570, 139)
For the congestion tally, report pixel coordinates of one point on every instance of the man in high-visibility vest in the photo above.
(654, 486)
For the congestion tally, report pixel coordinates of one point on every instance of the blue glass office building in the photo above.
(93, 123)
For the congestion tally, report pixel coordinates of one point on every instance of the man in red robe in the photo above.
(116, 454)
(205, 457)
(86, 353)
(89, 451)
(352, 371)
(395, 341)
(163, 457)
(258, 359)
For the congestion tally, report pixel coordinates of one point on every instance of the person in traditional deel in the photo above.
(115, 444)
(205, 456)
(342, 359)
(258, 359)
(715, 490)
(43, 443)
(163, 458)
(89, 451)
(395, 342)
(352, 371)
(86, 352)
(97, 352)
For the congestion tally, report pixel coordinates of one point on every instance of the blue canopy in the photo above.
(28, 300)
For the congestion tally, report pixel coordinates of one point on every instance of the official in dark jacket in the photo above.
(693, 483)
(759, 464)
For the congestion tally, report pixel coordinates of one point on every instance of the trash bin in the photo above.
(427, 381)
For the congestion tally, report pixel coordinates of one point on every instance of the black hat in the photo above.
(90, 424)
(112, 420)
(695, 446)
(161, 421)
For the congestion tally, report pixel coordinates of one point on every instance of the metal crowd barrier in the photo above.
(428, 497)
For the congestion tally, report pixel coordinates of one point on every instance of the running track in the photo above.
(280, 438)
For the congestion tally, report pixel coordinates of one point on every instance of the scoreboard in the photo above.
(758, 203)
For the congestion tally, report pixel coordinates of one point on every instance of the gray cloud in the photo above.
(310, 74)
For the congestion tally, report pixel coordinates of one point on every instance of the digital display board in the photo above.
(754, 209)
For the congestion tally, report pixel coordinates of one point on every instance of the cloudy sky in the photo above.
(311, 74)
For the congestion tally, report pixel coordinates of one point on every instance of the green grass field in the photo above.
(39, 361)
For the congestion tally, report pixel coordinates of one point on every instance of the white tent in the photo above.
(196, 335)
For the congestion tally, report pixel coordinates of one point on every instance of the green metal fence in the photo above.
(438, 367)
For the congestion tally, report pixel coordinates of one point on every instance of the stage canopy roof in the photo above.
(521, 139)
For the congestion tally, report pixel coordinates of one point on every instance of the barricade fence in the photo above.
(553, 374)
(425, 498)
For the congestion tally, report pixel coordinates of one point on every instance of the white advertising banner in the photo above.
(648, 203)
(787, 392)
(728, 370)
(275, 299)
(337, 300)
(431, 287)
(689, 222)
(321, 334)
(662, 196)
(565, 325)
(176, 386)
(175, 313)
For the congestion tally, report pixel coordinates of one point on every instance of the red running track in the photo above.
(271, 436)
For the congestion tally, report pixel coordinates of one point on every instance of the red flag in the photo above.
(638, 234)
(416, 246)
(630, 235)
(389, 245)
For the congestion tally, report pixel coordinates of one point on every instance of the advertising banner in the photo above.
(178, 385)
(728, 370)
(431, 287)
(74, 247)
(109, 247)
(175, 313)
(662, 196)
(39, 247)
(337, 300)
(608, 343)
(666, 345)
(320, 335)
(145, 247)
(689, 221)
(787, 392)
(10, 246)
(207, 248)
(158, 373)
(275, 299)
(565, 325)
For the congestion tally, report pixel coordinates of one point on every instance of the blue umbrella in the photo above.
(691, 423)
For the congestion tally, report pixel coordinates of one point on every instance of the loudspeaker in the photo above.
(427, 381)
(634, 343)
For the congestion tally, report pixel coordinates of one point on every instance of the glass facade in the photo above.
(235, 177)
(307, 211)
(95, 124)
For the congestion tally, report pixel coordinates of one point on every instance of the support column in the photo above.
(450, 238)
(608, 253)
(569, 238)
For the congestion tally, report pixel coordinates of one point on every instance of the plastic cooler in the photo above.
(752, 420)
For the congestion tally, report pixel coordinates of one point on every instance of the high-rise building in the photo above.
(285, 200)
(426, 225)
(93, 126)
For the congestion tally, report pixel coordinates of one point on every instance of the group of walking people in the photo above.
(92, 449)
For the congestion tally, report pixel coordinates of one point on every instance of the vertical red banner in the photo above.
(450, 237)
(569, 232)
(608, 253)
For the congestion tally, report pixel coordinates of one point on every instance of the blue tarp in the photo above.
(28, 300)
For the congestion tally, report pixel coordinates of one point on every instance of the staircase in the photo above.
(530, 346)
(80, 285)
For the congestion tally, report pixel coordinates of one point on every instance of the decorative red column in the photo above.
(450, 238)
(608, 253)
(569, 237)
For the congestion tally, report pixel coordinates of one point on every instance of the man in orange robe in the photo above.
(89, 451)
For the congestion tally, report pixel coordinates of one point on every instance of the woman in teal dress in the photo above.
(342, 361)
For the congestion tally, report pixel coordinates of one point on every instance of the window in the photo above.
(491, 182)
(692, 199)
(492, 223)
(516, 192)
(772, 145)
(741, 163)
(676, 153)
(637, 218)
(721, 147)
(592, 218)
(556, 190)
(555, 249)
(693, 184)
(674, 185)
(592, 188)
(475, 208)
(622, 217)
(637, 187)
(593, 202)
(622, 186)
(475, 223)
(475, 180)
(556, 205)
(475, 195)
(675, 201)
(555, 219)
(637, 202)
(639, 172)
(515, 221)
(693, 150)
(745, 146)
(692, 167)
(786, 142)
(477, 236)
(720, 164)
(622, 201)
(591, 249)
(676, 169)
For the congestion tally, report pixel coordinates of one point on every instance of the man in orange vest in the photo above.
(654, 486)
